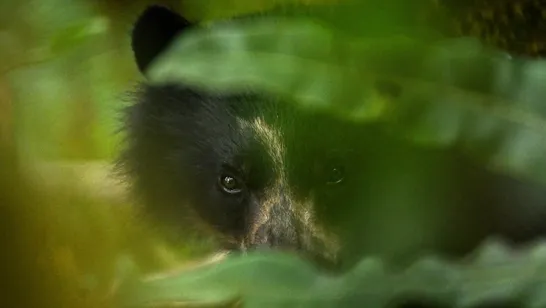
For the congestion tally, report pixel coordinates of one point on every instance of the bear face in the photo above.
(248, 167)
(254, 170)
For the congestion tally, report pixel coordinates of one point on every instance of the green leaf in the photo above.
(452, 93)
(261, 278)
(495, 274)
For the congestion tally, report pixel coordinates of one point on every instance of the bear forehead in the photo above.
(253, 129)
(271, 138)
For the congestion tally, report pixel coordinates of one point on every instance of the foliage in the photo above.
(495, 274)
(451, 93)
(66, 68)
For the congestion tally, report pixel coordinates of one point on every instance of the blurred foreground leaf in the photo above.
(77, 34)
(496, 274)
(451, 93)
(55, 45)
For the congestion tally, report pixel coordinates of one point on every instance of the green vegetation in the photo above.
(65, 69)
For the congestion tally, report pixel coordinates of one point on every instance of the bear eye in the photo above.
(230, 184)
(335, 175)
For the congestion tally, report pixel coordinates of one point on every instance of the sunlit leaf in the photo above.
(279, 280)
(493, 102)
(262, 278)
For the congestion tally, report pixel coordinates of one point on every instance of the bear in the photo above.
(254, 171)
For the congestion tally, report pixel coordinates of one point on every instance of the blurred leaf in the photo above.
(52, 48)
(287, 57)
(495, 274)
(268, 278)
(452, 93)
(77, 34)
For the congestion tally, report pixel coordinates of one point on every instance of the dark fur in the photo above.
(180, 140)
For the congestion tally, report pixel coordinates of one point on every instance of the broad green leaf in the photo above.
(284, 275)
(277, 56)
(451, 93)
(495, 274)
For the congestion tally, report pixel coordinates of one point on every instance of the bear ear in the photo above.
(152, 33)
